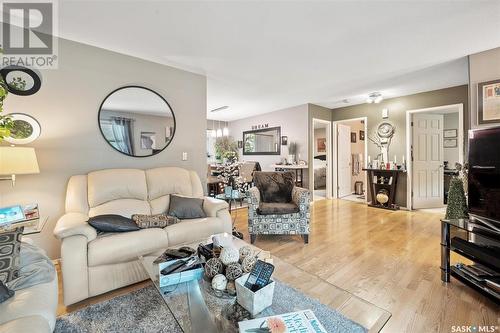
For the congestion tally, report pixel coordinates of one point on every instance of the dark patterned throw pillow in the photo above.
(10, 246)
(154, 221)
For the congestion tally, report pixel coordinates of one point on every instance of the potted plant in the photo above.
(6, 123)
(226, 149)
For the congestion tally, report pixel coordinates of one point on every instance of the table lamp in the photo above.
(17, 161)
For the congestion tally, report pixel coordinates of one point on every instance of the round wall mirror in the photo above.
(21, 80)
(26, 129)
(136, 121)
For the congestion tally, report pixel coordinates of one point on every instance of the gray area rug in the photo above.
(145, 311)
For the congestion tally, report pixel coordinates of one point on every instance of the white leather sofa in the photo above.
(30, 310)
(94, 264)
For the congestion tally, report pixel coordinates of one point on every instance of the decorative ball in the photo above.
(228, 255)
(383, 196)
(219, 282)
(231, 288)
(233, 271)
(213, 267)
(245, 251)
(248, 263)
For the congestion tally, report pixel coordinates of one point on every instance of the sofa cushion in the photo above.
(10, 246)
(112, 223)
(34, 324)
(38, 301)
(172, 180)
(275, 186)
(112, 248)
(114, 184)
(193, 230)
(269, 208)
(186, 208)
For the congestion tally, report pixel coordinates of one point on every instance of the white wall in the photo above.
(483, 66)
(67, 106)
(450, 121)
(294, 124)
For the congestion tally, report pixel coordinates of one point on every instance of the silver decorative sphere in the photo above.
(219, 282)
(245, 251)
(213, 267)
(248, 263)
(234, 271)
(228, 255)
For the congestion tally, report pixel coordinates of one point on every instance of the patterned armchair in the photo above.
(277, 206)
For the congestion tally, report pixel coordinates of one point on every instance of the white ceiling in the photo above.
(261, 56)
(136, 100)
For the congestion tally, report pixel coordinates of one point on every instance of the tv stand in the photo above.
(481, 245)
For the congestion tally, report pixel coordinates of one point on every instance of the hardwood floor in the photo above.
(389, 258)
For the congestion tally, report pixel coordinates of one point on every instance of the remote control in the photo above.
(259, 276)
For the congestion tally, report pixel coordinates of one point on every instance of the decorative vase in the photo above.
(457, 203)
(291, 159)
(228, 190)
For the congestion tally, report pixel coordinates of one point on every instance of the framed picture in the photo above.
(450, 133)
(450, 143)
(148, 140)
(353, 137)
(488, 102)
(284, 140)
(362, 135)
(321, 144)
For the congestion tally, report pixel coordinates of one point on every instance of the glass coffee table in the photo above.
(197, 308)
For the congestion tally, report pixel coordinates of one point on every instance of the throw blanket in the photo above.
(35, 268)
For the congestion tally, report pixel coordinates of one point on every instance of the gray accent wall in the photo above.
(67, 106)
(397, 114)
(483, 67)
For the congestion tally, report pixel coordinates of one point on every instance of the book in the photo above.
(300, 321)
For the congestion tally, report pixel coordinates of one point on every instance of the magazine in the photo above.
(301, 321)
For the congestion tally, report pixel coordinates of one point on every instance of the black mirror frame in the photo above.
(37, 82)
(260, 130)
(156, 151)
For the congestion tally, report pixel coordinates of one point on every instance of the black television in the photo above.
(484, 175)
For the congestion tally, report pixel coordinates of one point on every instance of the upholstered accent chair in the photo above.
(277, 206)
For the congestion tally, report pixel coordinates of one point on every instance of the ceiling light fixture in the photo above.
(374, 97)
(220, 108)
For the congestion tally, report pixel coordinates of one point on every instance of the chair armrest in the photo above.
(301, 197)
(211, 206)
(253, 198)
(72, 224)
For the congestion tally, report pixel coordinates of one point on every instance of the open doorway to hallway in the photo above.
(350, 151)
(322, 151)
(435, 138)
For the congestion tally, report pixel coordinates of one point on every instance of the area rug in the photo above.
(145, 311)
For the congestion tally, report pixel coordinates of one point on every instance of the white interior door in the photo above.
(344, 160)
(428, 173)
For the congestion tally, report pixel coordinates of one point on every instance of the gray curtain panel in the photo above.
(122, 130)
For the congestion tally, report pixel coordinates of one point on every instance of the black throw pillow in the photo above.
(5, 292)
(186, 208)
(275, 187)
(112, 223)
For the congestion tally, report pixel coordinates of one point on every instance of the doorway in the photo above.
(350, 150)
(435, 142)
(322, 159)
